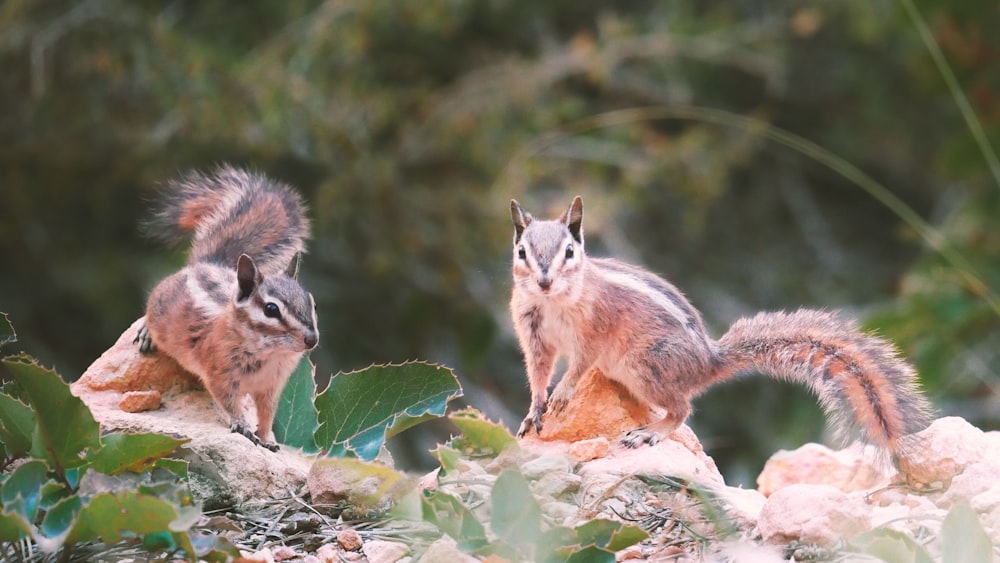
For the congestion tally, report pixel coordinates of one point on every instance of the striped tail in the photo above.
(864, 386)
(232, 212)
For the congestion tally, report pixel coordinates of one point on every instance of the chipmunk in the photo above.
(641, 331)
(235, 316)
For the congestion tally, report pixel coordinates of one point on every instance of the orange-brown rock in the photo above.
(140, 401)
(122, 368)
(815, 464)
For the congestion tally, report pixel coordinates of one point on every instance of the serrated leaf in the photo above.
(178, 467)
(64, 427)
(17, 422)
(516, 517)
(480, 434)
(447, 457)
(7, 334)
(296, 420)
(453, 518)
(131, 452)
(22, 490)
(369, 484)
(963, 537)
(358, 411)
(61, 517)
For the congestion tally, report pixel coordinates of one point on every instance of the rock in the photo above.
(679, 455)
(815, 464)
(283, 553)
(976, 479)
(122, 368)
(364, 486)
(380, 551)
(445, 550)
(619, 412)
(263, 556)
(933, 457)
(225, 469)
(328, 553)
(819, 514)
(556, 483)
(140, 401)
(545, 463)
(586, 450)
(349, 540)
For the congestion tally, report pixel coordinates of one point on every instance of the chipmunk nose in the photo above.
(545, 283)
(311, 340)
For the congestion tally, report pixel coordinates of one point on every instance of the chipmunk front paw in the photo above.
(640, 436)
(534, 418)
(240, 428)
(145, 340)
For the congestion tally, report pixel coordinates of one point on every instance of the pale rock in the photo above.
(744, 505)
(977, 478)
(264, 556)
(668, 457)
(987, 501)
(328, 553)
(562, 512)
(819, 514)
(556, 483)
(225, 469)
(349, 540)
(445, 550)
(284, 553)
(934, 456)
(587, 450)
(308, 558)
(330, 482)
(815, 464)
(546, 463)
(629, 553)
(140, 401)
(381, 551)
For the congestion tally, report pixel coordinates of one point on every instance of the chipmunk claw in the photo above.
(145, 340)
(534, 418)
(639, 436)
(242, 429)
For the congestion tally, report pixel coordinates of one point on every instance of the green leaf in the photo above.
(609, 534)
(17, 422)
(64, 428)
(358, 411)
(891, 546)
(61, 517)
(591, 555)
(447, 456)
(480, 434)
(963, 537)
(295, 421)
(7, 334)
(22, 490)
(453, 518)
(13, 527)
(109, 517)
(131, 452)
(516, 516)
(178, 467)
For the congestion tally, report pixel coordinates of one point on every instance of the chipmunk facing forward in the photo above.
(641, 331)
(235, 316)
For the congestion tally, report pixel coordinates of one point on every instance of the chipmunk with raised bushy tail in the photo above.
(235, 316)
(641, 331)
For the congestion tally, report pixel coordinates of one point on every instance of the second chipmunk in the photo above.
(641, 331)
(235, 316)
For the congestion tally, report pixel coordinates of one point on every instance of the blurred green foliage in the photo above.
(409, 125)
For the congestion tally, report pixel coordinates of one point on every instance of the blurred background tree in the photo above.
(409, 126)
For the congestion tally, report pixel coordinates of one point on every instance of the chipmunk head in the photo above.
(548, 255)
(276, 307)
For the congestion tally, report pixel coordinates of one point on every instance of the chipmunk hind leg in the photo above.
(677, 412)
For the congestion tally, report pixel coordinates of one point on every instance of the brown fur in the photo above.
(212, 316)
(641, 331)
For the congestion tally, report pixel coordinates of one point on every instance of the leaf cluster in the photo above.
(62, 483)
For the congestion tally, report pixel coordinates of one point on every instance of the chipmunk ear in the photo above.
(520, 218)
(574, 219)
(292, 270)
(247, 277)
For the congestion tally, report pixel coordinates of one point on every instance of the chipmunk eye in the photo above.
(521, 253)
(271, 310)
(569, 251)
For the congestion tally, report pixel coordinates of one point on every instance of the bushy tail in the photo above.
(233, 212)
(861, 381)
